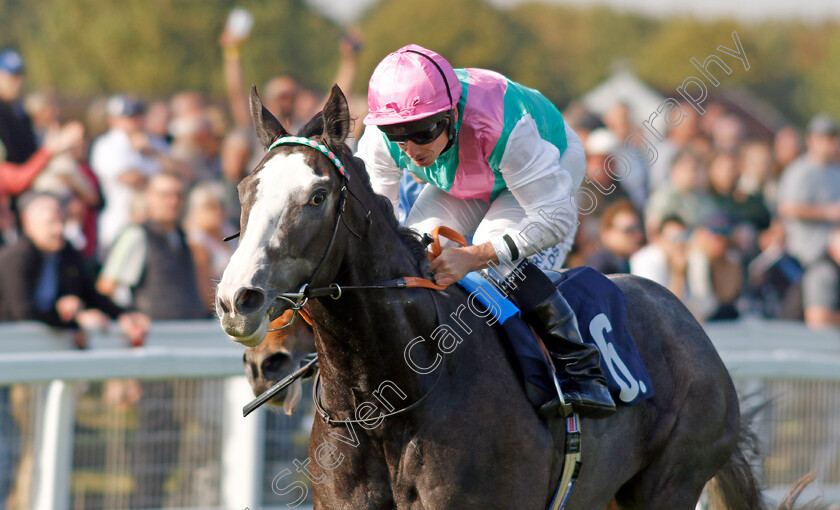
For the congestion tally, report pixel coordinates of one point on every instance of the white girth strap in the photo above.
(571, 467)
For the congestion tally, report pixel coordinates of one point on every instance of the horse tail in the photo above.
(796, 490)
(735, 486)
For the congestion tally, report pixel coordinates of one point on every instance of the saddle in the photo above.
(601, 311)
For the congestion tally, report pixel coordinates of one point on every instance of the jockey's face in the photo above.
(425, 155)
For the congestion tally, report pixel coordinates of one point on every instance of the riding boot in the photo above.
(579, 364)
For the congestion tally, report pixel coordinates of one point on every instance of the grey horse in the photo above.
(420, 407)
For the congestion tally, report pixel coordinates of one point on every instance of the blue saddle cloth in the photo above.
(601, 311)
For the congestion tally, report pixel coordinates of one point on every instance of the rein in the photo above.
(316, 397)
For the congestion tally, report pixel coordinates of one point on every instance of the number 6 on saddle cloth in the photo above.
(601, 310)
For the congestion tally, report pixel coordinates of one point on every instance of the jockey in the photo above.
(502, 163)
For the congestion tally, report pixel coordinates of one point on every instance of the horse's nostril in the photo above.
(276, 366)
(249, 300)
(221, 304)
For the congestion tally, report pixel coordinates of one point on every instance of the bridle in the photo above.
(297, 300)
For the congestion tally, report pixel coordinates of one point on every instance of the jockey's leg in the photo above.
(434, 208)
(548, 312)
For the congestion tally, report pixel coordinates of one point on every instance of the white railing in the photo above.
(31, 353)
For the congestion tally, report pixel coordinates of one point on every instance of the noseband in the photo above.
(298, 299)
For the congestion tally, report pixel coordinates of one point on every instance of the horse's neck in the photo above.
(361, 338)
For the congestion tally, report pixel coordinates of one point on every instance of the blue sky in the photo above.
(747, 10)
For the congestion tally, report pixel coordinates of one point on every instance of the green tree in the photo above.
(159, 46)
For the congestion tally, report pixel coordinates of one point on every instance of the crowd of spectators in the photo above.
(735, 223)
(123, 218)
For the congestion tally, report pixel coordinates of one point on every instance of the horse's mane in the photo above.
(408, 237)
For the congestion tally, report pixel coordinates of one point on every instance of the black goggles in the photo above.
(420, 132)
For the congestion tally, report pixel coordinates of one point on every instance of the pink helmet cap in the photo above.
(410, 84)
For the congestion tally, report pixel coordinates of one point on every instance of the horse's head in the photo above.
(278, 356)
(290, 204)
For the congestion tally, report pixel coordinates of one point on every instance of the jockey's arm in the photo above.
(543, 183)
(384, 174)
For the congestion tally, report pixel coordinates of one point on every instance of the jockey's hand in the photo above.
(453, 264)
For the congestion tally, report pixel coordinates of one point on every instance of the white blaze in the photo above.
(281, 180)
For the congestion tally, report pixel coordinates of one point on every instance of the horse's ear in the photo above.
(336, 117)
(267, 126)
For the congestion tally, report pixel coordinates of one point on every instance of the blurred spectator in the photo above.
(581, 120)
(715, 271)
(206, 226)
(279, 96)
(600, 144)
(666, 258)
(621, 237)
(153, 259)
(773, 285)
(186, 104)
(684, 195)
(727, 133)
(308, 102)
(70, 178)
(758, 176)
(157, 121)
(705, 274)
(240, 152)
(42, 108)
(821, 286)
(123, 159)
(20, 159)
(678, 139)
(707, 122)
(787, 146)
(600, 188)
(809, 193)
(635, 178)
(44, 278)
(739, 207)
(191, 138)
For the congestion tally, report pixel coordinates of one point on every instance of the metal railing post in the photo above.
(54, 448)
(243, 440)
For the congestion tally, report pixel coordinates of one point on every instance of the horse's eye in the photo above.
(317, 198)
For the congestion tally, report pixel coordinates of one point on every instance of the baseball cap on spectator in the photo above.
(601, 142)
(125, 106)
(11, 61)
(822, 124)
